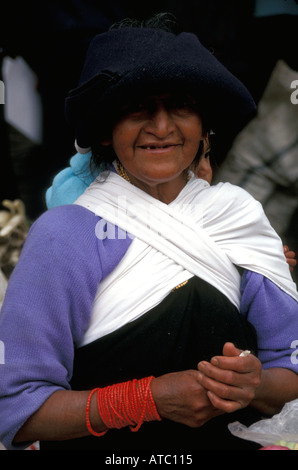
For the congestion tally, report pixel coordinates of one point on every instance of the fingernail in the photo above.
(199, 375)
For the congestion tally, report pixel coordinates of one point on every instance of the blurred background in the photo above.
(42, 50)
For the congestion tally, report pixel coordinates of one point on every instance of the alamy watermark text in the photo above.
(2, 92)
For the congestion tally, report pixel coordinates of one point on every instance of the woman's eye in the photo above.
(133, 107)
(181, 104)
(172, 104)
(139, 108)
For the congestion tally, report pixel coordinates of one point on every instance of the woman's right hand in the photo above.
(180, 397)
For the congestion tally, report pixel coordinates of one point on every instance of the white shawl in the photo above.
(204, 232)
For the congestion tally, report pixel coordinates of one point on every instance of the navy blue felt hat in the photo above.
(127, 62)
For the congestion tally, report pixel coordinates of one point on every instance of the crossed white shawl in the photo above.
(204, 232)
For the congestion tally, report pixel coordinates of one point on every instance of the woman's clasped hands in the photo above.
(225, 384)
(231, 380)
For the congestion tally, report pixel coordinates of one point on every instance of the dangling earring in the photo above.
(187, 174)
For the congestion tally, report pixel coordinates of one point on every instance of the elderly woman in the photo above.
(127, 320)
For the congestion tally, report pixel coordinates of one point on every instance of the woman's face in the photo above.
(157, 139)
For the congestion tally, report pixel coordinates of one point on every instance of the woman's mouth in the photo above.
(158, 147)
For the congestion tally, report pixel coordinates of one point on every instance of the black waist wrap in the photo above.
(190, 325)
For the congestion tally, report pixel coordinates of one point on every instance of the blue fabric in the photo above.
(47, 308)
(274, 315)
(71, 182)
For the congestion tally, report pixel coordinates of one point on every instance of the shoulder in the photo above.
(65, 219)
(71, 232)
(62, 236)
(233, 192)
(65, 212)
(226, 199)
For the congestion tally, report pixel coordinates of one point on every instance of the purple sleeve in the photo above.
(274, 314)
(47, 309)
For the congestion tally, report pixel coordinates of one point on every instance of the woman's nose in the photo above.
(160, 122)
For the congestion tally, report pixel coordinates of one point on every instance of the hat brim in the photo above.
(130, 62)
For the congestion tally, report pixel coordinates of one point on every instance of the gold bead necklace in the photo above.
(121, 171)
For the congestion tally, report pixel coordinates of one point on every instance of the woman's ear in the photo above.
(206, 143)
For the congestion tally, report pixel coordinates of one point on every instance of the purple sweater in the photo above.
(48, 305)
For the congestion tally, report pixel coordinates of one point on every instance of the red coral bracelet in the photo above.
(88, 415)
(125, 404)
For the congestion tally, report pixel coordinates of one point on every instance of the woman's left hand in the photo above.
(231, 380)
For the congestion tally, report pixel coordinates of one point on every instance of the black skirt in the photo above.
(191, 324)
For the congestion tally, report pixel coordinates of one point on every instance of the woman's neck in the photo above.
(165, 192)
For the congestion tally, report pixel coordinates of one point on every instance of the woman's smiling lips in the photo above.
(159, 147)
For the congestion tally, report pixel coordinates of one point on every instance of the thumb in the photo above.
(229, 349)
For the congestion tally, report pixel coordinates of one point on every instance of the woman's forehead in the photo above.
(161, 98)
